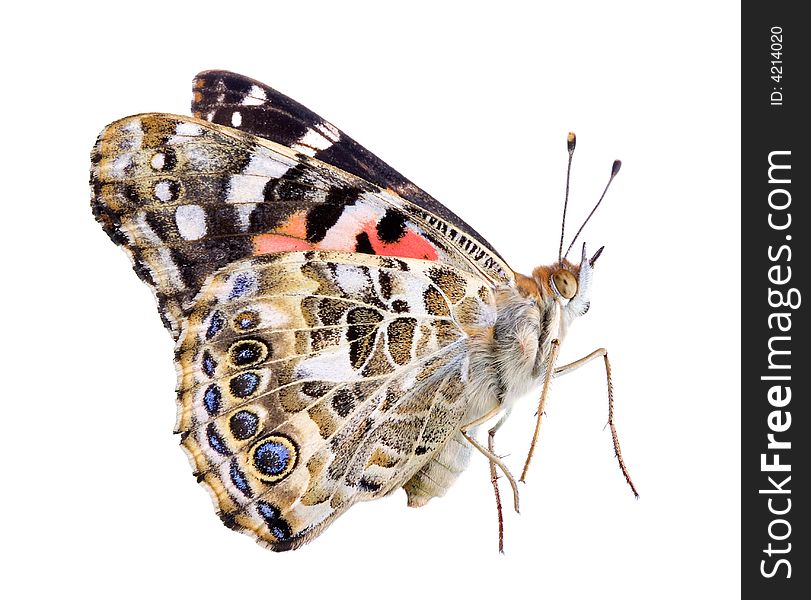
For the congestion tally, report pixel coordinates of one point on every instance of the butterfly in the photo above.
(339, 333)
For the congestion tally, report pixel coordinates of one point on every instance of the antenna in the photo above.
(571, 141)
(615, 168)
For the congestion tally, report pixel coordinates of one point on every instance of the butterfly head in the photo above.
(566, 283)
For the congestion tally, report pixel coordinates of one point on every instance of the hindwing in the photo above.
(308, 381)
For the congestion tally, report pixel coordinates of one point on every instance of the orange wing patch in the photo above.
(354, 235)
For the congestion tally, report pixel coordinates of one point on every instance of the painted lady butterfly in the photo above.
(339, 333)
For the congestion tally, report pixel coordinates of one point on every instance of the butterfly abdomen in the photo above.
(439, 474)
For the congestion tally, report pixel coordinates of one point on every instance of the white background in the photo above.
(473, 103)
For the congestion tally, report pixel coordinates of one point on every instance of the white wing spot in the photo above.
(236, 119)
(303, 149)
(246, 188)
(133, 126)
(134, 137)
(250, 185)
(167, 274)
(256, 97)
(271, 317)
(353, 219)
(200, 156)
(351, 279)
(188, 129)
(331, 365)
(244, 214)
(191, 221)
(158, 161)
(120, 165)
(163, 191)
(311, 142)
(329, 131)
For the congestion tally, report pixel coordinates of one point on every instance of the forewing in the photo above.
(237, 101)
(309, 381)
(186, 197)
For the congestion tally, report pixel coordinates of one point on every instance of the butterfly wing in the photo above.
(187, 197)
(309, 381)
(246, 104)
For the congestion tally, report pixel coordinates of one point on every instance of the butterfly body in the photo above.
(506, 360)
(336, 328)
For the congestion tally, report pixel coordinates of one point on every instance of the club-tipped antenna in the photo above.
(615, 168)
(571, 141)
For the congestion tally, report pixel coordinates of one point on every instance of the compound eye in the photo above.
(565, 283)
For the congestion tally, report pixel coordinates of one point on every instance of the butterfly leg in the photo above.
(547, 379)
(493, 458)
(572, 366)
(491, 435)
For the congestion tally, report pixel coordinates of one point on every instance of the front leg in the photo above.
(547, 379)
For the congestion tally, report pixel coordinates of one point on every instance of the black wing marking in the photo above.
(237, 101)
